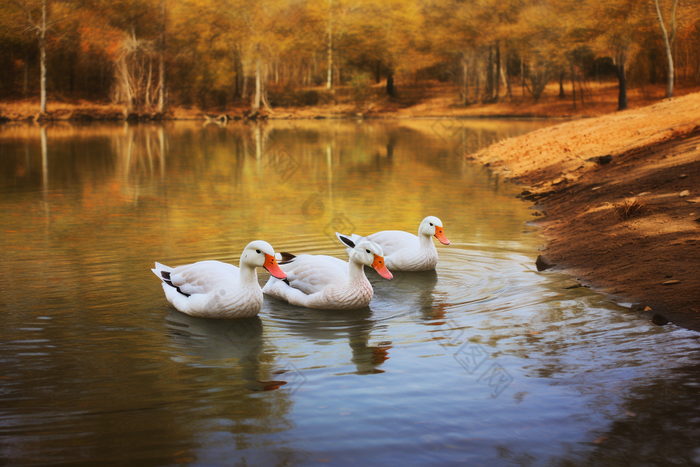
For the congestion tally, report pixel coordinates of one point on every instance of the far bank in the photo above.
(420, 101)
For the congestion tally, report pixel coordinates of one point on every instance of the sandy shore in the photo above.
(620, 196)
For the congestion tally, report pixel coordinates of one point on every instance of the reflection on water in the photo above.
(483, 361)
(353, 327)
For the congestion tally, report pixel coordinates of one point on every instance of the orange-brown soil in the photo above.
(628, 225)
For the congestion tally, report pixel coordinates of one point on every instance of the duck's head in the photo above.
(432, 226)
(261, 254)
(367, 253)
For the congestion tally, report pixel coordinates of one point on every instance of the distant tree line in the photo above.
(145, 54)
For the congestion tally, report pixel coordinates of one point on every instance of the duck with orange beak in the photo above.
(213, 289)
(405, 251)
(328, 283)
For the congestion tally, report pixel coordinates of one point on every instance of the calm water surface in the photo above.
(482, 362)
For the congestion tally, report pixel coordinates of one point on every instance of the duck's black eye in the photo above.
(367, 251)
(431, 224)
(257, 251)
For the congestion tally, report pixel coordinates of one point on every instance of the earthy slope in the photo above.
(625, 227)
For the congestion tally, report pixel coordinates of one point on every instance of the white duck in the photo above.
(405, 251)
(328, 283)
(213, 289)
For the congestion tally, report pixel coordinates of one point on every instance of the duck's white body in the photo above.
(324, 282)
(407, 252)
(213, 289)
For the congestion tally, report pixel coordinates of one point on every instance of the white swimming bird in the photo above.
(213, 289)
(405, 251)
(328, 283)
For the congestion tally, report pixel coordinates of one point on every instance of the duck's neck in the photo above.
(356, 271)
(426, 241)
(247, 275)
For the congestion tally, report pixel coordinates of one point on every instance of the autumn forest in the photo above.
(266, 53)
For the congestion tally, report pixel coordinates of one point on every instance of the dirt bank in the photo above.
(621, 198)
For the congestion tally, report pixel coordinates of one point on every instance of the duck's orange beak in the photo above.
(440, 235)
(380, 267)
(273, 268)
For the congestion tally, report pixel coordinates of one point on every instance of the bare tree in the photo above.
(161, 62)
(41, 31)
(539, 73)
(134, 73)
(465, 79)
(257, 97)
(668, 42)
(620, 66)
(329, 83)
(39, 28)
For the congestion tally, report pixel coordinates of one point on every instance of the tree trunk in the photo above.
(378, 72)
(522, 75)
(489, 76)
(148, 83)
(667, 46)
(123, 71)
(72, 59)
(465, 81)
(561, 85)
(504, 78)
(258, 96)
(25, 83)
(237, 68)
(337, 70)
(573, 83)
(42, 53)
(263, 88)
(161, 63)
(390, 84)
(329, 81)
(622, 78)
(498, 69)
(478, 81)
(580, 90)
(258, 83)
(161, 84)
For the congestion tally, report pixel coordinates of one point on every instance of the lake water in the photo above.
(483, 362)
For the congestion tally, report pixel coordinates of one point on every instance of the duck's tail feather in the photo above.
(283, 257)
(162, 271)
